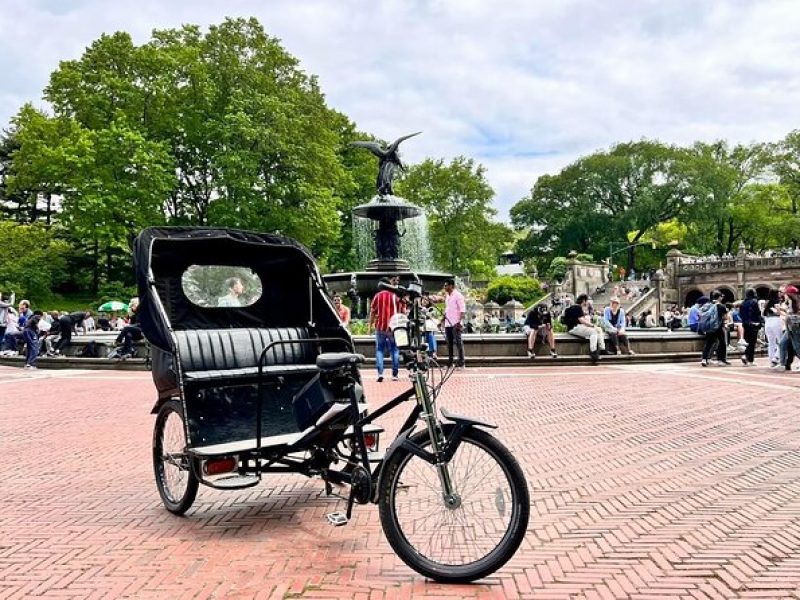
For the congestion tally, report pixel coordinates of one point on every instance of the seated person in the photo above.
(614, 321)
(580, 324)
(539, 322)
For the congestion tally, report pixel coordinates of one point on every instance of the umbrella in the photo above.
(112, 306)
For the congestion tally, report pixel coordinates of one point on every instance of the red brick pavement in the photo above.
(647, 482)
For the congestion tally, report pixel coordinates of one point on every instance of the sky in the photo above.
(523, 87)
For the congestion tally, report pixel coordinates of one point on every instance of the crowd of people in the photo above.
(34, 333)
(785, 252)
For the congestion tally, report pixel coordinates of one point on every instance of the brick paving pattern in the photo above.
(647, 482)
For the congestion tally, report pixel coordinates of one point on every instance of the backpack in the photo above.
(708, 318)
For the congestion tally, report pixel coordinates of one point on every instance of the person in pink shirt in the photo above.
(455, 310)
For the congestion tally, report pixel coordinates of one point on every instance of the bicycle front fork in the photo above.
(449, 495)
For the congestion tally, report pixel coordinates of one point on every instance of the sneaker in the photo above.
(553, 353)
(704, 363)
(742, 343)
(380, 378)
(775, 366)
(631, 353)
(744, 360)
(723, 363)
(395, 378)
(30, 367)
(531, 354)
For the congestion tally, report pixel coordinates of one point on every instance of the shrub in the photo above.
(524, 289)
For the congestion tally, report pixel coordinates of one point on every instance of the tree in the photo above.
(717, 175)
(522, 289)
(33, 260)
(252, 141)
(458, 201)
(609, 196)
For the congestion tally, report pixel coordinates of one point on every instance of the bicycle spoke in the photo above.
(461, 535)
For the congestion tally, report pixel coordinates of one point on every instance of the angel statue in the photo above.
(389, 161)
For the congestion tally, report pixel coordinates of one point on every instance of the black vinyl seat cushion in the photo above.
(211, 354)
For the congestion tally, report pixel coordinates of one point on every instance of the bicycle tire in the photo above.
(494, 558)
(178, 496)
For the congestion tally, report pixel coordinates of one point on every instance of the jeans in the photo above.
(453, 336)
(430, 339)
(789, 347)
(593, 334)
(32, 346)
(10, 341)
(382, 340)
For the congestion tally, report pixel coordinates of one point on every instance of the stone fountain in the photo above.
(386, 212)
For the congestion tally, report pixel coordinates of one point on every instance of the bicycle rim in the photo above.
(462, 537)
(174, 470)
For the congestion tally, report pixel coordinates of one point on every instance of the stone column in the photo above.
(741, 269)
(658, 280)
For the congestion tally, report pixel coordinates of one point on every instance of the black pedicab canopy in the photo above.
(180, 288)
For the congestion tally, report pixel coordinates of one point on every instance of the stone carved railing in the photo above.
(729, 265)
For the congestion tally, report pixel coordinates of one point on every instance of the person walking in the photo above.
(790, 342)
(773, 327)
(751, 323)
(614, 322)
(579, 323)
(454, 312)
(385, 304)
(31, 335)
(711, 323)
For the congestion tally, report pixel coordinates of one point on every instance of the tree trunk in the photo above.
(109, 258)
(96, 267)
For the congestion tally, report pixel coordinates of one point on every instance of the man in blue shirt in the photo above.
(694, 313)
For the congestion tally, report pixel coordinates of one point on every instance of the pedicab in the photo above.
(256, 375)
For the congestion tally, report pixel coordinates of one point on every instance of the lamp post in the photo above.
(612, 252)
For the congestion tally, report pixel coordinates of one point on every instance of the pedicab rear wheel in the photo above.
(176, 482)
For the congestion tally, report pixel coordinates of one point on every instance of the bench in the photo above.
(220, 370)
(212, 354)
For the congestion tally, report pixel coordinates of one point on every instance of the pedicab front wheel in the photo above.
(176, 482)
(467, 536)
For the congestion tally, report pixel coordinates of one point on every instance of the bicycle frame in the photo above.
(443, 447)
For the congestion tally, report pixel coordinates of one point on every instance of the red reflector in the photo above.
(215, 466)
(370, 439)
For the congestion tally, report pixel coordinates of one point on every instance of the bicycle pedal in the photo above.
(337, 519)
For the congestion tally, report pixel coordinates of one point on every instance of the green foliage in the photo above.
(458, 201)
(601, 197)
(31, 260)
(113, 290)
(558, 269)
(584, 257)
(522, 289)
(214, 128)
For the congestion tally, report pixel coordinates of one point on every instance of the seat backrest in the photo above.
(222, 349)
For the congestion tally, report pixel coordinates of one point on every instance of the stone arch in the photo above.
(728, 295)
(692, 296)
(763, 290)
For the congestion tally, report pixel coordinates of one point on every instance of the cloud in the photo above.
(523, 87)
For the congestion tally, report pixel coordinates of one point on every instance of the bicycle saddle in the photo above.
(328, 361)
